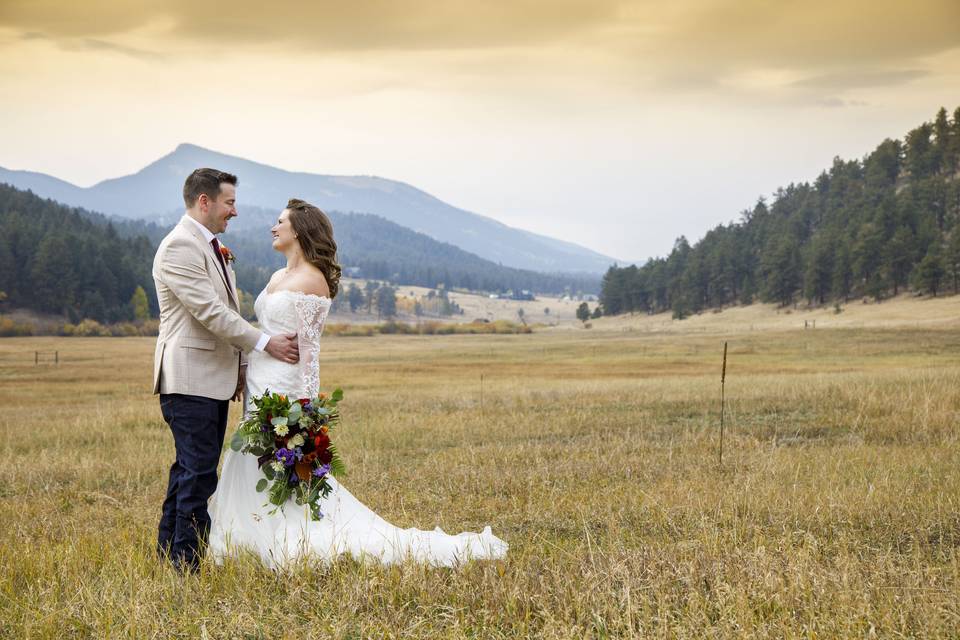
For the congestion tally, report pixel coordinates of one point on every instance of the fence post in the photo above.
(36, 358)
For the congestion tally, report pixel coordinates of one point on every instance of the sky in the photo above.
(619, 125)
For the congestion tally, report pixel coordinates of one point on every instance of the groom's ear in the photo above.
(203, 202)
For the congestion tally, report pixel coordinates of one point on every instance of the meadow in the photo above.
(835, 513)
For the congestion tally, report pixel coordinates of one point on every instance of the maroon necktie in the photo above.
(223, 264)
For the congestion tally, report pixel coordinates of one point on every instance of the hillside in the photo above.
(905, 311)
(154, 192)
(55, 259)
(87, 265)
(382, 250)
(871, 227)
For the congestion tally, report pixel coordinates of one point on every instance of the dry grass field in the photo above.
(836, 512)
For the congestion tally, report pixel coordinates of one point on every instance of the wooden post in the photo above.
(481, 396)
(723, 379)
(56, 357)
(36, 358)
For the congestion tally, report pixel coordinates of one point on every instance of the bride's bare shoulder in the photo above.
(311, 281)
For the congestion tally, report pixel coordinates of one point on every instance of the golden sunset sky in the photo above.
(617, 125)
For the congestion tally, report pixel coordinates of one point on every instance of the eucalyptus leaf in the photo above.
(279, 420)
(262, 485)
(236, 442)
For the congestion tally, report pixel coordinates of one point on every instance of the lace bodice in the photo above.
(289, 312)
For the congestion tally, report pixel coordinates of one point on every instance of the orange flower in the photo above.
(324, 429)
(323, 396)
(303, 470)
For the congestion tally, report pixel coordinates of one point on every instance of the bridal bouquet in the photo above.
(291, 439)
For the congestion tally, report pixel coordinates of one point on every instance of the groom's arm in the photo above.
(183, 270)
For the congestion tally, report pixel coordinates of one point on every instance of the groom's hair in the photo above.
(206, 181)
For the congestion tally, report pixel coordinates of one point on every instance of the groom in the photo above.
(199, 363)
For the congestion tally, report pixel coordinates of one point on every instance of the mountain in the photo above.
(863, 228)
(154, 191)
(383, 250)
(89, 244)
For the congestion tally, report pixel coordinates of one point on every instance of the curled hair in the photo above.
(206, 181)
(315, 235)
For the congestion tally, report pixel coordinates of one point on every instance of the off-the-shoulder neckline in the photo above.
(302, 293)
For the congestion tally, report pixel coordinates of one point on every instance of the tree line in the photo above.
(871, 227)
(66, 261)
(372, 247)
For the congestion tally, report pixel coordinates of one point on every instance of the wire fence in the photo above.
(48, 358)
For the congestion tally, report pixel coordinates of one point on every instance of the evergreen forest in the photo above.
(864, 228)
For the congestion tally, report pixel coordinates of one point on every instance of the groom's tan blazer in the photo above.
(202, 337)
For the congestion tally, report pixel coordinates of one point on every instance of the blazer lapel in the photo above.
(209, 256)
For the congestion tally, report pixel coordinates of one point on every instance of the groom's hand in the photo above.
(241, 383)
(284, 348)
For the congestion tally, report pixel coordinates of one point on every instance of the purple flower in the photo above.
(322, 470)
(298, 452)
(286, 456)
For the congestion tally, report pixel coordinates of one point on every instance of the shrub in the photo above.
(9, 328)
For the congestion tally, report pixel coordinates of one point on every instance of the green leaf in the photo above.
(279, 420)
(337, 395)
(262, 485)
(236, 442)
(268, 471)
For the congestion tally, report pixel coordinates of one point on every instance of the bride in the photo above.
(297, 299)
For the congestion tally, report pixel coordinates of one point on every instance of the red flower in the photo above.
(227, 254)
(322, 441)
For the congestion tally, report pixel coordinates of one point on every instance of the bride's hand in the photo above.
(284, 348)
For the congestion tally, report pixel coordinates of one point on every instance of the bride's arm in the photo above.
(311, 314)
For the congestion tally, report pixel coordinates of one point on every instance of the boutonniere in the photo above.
(227, 254)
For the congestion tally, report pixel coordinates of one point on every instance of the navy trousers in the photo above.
(198, 425)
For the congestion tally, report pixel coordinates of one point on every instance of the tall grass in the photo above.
(835, 513)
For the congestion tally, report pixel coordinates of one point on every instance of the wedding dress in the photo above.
(240, 515)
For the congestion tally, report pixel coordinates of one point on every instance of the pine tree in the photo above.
(386, 302)
(930, 271)
(583, 312)
(354, 297)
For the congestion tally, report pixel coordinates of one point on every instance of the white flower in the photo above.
(295, 441)
(281, 429)
(277, 465)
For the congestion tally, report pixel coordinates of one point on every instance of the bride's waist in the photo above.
(264, 371)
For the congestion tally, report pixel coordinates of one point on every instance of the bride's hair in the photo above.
(315, 234)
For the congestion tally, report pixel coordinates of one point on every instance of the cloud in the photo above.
(861, 79)
(828, 46)
(322, 26)
(93, 44)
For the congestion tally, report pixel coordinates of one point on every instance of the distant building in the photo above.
(523, 294)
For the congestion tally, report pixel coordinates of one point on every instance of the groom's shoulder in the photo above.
(178, 239)
(177, 235)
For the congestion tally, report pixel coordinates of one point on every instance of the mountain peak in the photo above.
(186, 146)
(155, 190)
